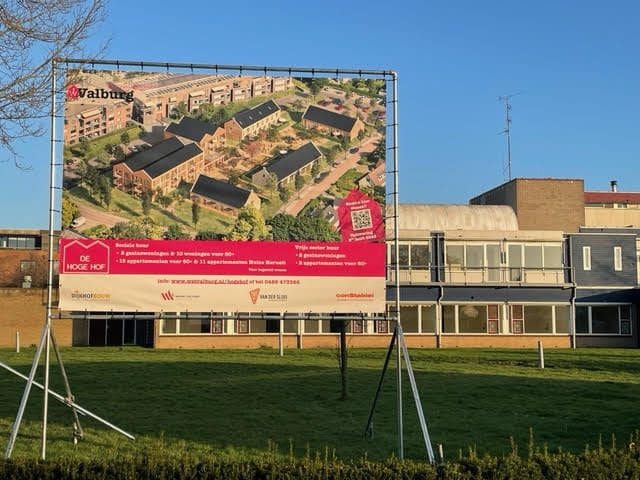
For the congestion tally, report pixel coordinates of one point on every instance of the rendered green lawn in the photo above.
(243, 402)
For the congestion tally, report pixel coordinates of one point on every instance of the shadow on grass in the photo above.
(245, 404)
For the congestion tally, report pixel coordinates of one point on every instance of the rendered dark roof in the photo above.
(248, 117)
(294, 161)
(220, 191)
(329, 118)
(191, 128)
(172, 160)
(145, 158)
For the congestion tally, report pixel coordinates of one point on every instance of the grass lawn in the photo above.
(242, 401)
(129, 207)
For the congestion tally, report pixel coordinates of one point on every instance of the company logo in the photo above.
(254, 294)
(77, 295)
(168, 295)
(355, 296)
(74, 93)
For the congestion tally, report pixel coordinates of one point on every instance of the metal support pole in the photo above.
(77, 427)
(281, 336)
(369, 428)
(25, 396)
(45, 403)
(17, 341)
(71, 404)
(541, 354)
(52, 200)
(396, 234)
(416, 397)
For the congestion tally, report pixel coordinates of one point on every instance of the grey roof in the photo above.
(191, 128)
(248, 117)
(220, 191)
(432, 217)
(172, 160)
(294, 161)
(145, 158)
(329, 118)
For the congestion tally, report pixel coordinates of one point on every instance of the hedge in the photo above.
(606, 464)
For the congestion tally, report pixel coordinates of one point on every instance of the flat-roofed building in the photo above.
(92, 120)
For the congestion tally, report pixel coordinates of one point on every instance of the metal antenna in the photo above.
(507, 131)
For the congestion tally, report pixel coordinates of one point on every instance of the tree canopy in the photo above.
(32, 33)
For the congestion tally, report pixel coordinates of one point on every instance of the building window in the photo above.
(382, 326)
(242, 326)
(493, 319)
(449, 319)
(217, 326)
(169, 326)
(415, 255)
(357, 326)
(603, 320)
(538, 318)
(191, 326)
(517, 319)
(472, 319)
(586, 258)
(617, 259)
(25, 242)
(582, 320)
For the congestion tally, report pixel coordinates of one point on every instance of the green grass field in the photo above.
(245, 402)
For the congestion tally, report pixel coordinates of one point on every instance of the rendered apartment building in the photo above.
(94, 120)
(498, 272)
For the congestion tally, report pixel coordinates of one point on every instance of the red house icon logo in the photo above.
(84, 256)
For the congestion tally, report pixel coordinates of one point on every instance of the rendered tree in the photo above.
(146, 202)
(32, 33)
(195, 213)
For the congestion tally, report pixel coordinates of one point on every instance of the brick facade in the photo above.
(24, 310)
(540, 203)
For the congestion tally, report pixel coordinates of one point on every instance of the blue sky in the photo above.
(575, 64)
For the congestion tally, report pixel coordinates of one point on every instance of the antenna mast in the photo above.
(507, 130)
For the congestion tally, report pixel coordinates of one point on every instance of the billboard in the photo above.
(236, 193)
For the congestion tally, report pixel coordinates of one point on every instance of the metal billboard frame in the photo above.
(56, 163)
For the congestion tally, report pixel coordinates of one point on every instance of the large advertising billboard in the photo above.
(228, 193)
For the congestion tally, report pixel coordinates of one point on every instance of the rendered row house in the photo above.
(252, 121)
(284, 169)
(161, 167)
(222, 197)
(332, 122)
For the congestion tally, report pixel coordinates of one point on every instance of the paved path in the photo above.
(314, 190)
(98, 217)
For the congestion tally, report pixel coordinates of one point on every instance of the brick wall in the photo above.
(550, 204)
(361, 341)
(540, 203)
(24, 310)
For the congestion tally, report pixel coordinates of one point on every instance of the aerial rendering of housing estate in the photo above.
(190, 152)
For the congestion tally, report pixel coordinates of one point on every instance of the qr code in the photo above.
(361, 219)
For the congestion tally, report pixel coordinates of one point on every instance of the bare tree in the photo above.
(32, 33)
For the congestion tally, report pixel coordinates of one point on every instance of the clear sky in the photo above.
(574, 64)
